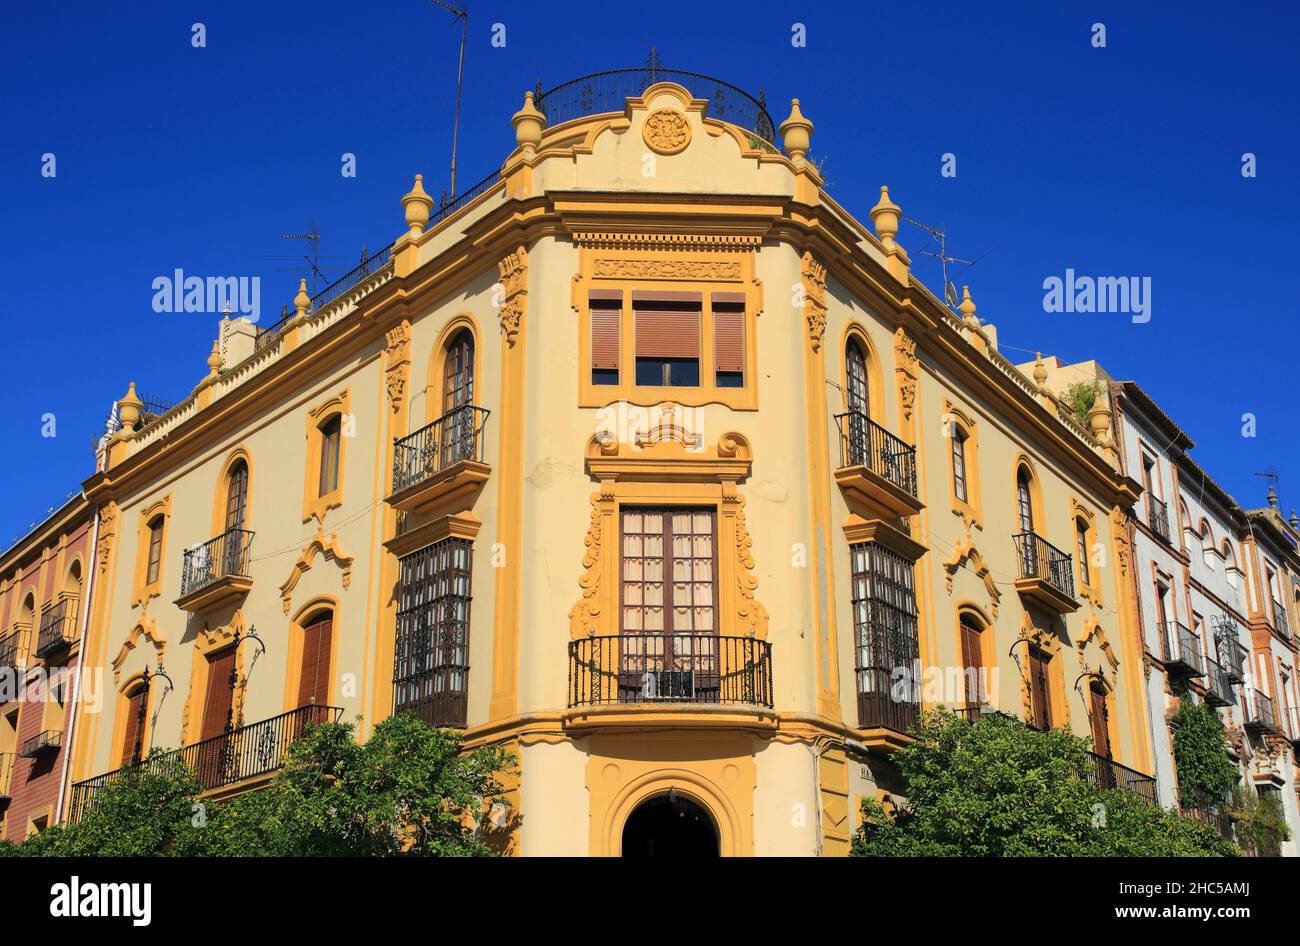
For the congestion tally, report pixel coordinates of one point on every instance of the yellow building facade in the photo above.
(645, 459)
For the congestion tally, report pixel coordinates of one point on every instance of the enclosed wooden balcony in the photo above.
(877, 471)
(441, 464)
(239, 755)
(217, 572)
(1046, 574)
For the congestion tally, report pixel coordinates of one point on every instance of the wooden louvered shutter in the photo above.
(313, 683)
(606, 315)
(132, 731)
(667, 324)
(729, 332)
(973, 662)
(216, 707)
(1100, 731)
(1038, 689)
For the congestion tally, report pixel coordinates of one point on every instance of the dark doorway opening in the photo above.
(670, 826)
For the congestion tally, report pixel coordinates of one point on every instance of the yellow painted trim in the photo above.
(293, 669)
(314, 505)
(142, 592)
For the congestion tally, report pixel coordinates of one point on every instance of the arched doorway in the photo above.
(670, 826)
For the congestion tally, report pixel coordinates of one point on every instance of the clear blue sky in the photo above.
(1117, 161)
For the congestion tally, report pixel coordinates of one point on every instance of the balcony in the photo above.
(49, 741)
(6, 774)
(58, 629)
(1280, 621)
(649, 668)
(236, 756)
(1233, 657)
(1261, 719)
(441, 463)
(13, 653)
(216, 572)
(1293, 725)
(877, 470)
(1218, 689)
(1046, 574)
(1182, 650)
(1215, 818)
(1158, 519)
(1107, 773)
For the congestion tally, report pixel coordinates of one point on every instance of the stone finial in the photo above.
(302, 301)
(967, 307)
(528, 123)
(884, 216)
(128, 410)
(417, 205)
(1272, 497)
(1040, 370)
(214, 359)
(1099, 420)
(1294, 520)
(796, 134)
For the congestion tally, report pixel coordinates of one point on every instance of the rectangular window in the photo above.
(668, 646)
(431, 649)
(329, 456)
(667, 338)
(606, 325)
(958, 463)
(155, 550)
(132, 733)
(1040, 704)
(729, 339)
(884, 635)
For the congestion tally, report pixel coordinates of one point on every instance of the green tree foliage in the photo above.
(1080, 397)
(409, 790)
(1260, 820)
(1205, 773)
(996, 788)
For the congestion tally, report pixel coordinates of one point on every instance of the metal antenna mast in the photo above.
(460, 67)
(949, 290)
(314, 260)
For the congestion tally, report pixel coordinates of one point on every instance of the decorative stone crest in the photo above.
(906, 370)
(107, 528)
(813, 274)
(318, 545)
(667, 131)
(514, 281)
(397, 362)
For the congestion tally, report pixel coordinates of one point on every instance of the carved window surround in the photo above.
(668, 472)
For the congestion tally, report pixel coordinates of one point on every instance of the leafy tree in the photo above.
(996, 787)
(1260, 821)
(409, 790)
(1205, 773)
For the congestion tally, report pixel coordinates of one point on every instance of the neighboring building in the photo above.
(1212, 585)
(45, 580)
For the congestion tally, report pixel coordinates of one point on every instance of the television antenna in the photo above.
(463, 16)
(314, 259)
(949, 290)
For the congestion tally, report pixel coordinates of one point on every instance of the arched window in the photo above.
(330, 431)
(459, 426)
(236, 496)
(1081, 549)
(317, 641)
(134, 709)
(959, 484)
(1024, 500)
(855, 375)
(154, 561)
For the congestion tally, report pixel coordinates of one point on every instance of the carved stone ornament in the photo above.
(667, 131)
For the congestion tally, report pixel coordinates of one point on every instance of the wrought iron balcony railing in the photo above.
(1158, 518)
(1293, 723)
(13, 652)
(1218, 688)
(670, 668)
(1280, 620)
(226, 556)
(1182, 649)
(48, 741)
(453, 437)
(863, 442)
(1215, 818)
(1232, 655)
(607, 91)
(1042, 560)
(1107, 773)
(238, 754)
(1259, 712)
(58, 629)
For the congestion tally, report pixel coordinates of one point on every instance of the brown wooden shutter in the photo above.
(729, 330)
(606, 306)
(132, 731)
(667, 324)
(313, 683)
(1038, 689)
(973, 662)
(216, 707)
(1100, 735)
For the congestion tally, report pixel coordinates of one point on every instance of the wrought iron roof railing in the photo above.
(607, 91)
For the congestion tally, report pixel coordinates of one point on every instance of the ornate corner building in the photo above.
(642, 457)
